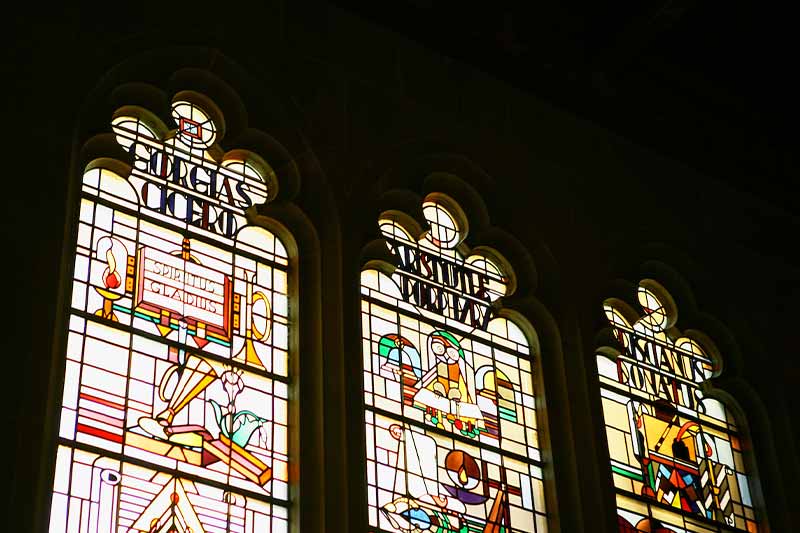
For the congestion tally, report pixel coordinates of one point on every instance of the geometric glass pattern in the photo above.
(451, 433)
(174, 409)
(677, 456)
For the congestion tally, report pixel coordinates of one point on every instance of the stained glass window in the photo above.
(677, 455)
(174, 409)
(451, 432)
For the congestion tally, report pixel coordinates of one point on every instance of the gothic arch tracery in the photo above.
(451, 414)
(189, 251)
(678, 456)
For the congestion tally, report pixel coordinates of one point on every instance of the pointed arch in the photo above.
(453, 436)
(678, 449)
(180, 355)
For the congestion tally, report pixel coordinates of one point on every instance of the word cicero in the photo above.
(663, 371)
(200, 193)
(442, 285)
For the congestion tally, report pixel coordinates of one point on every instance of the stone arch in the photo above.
(397, 197)
(147, 80)
(638, 319)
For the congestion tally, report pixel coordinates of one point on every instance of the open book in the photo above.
(456, 408)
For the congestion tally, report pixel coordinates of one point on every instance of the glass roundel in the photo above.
(452, 441)
(444, 231)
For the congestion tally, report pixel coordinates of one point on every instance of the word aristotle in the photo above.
(202, 194)
(663, 371)
(442, 285)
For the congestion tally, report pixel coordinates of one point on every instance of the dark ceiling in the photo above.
(706, 83)
(709, 84)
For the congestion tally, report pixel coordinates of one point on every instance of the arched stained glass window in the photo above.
(175, 399)
(677, 455)
(451, 429)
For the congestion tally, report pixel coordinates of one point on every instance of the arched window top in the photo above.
(175, 410)
(262, 242)
(446, 229)
(678, 459)
(451, 424)
(239, 178)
